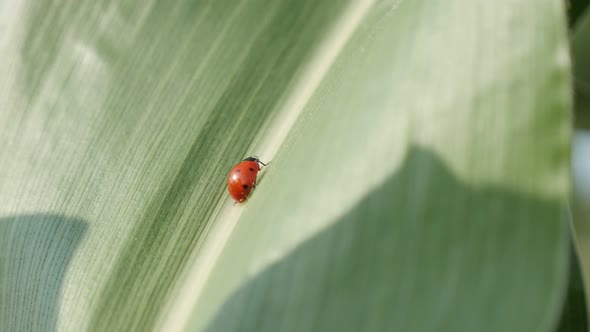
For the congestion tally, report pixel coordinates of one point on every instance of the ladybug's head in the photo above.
(255, 158)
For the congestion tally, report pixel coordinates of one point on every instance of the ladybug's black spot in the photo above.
(251, 169)
(238, 170)
(245, 186)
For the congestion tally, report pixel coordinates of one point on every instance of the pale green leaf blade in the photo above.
(423, 188)
(121, 121)
(126, 117)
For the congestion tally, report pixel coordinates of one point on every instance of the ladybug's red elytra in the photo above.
(242, 178)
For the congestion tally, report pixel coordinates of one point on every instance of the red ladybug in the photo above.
(242, 178)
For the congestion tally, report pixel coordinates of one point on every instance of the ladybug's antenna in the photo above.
(258, 161)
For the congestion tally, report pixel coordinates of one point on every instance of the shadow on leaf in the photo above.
(35, 251)
(423, 252)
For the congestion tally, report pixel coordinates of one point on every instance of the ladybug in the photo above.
(242, 178)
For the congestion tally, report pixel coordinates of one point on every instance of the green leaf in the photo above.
(575, 10)
(575, 311)
(581, 58)
(418, 178)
